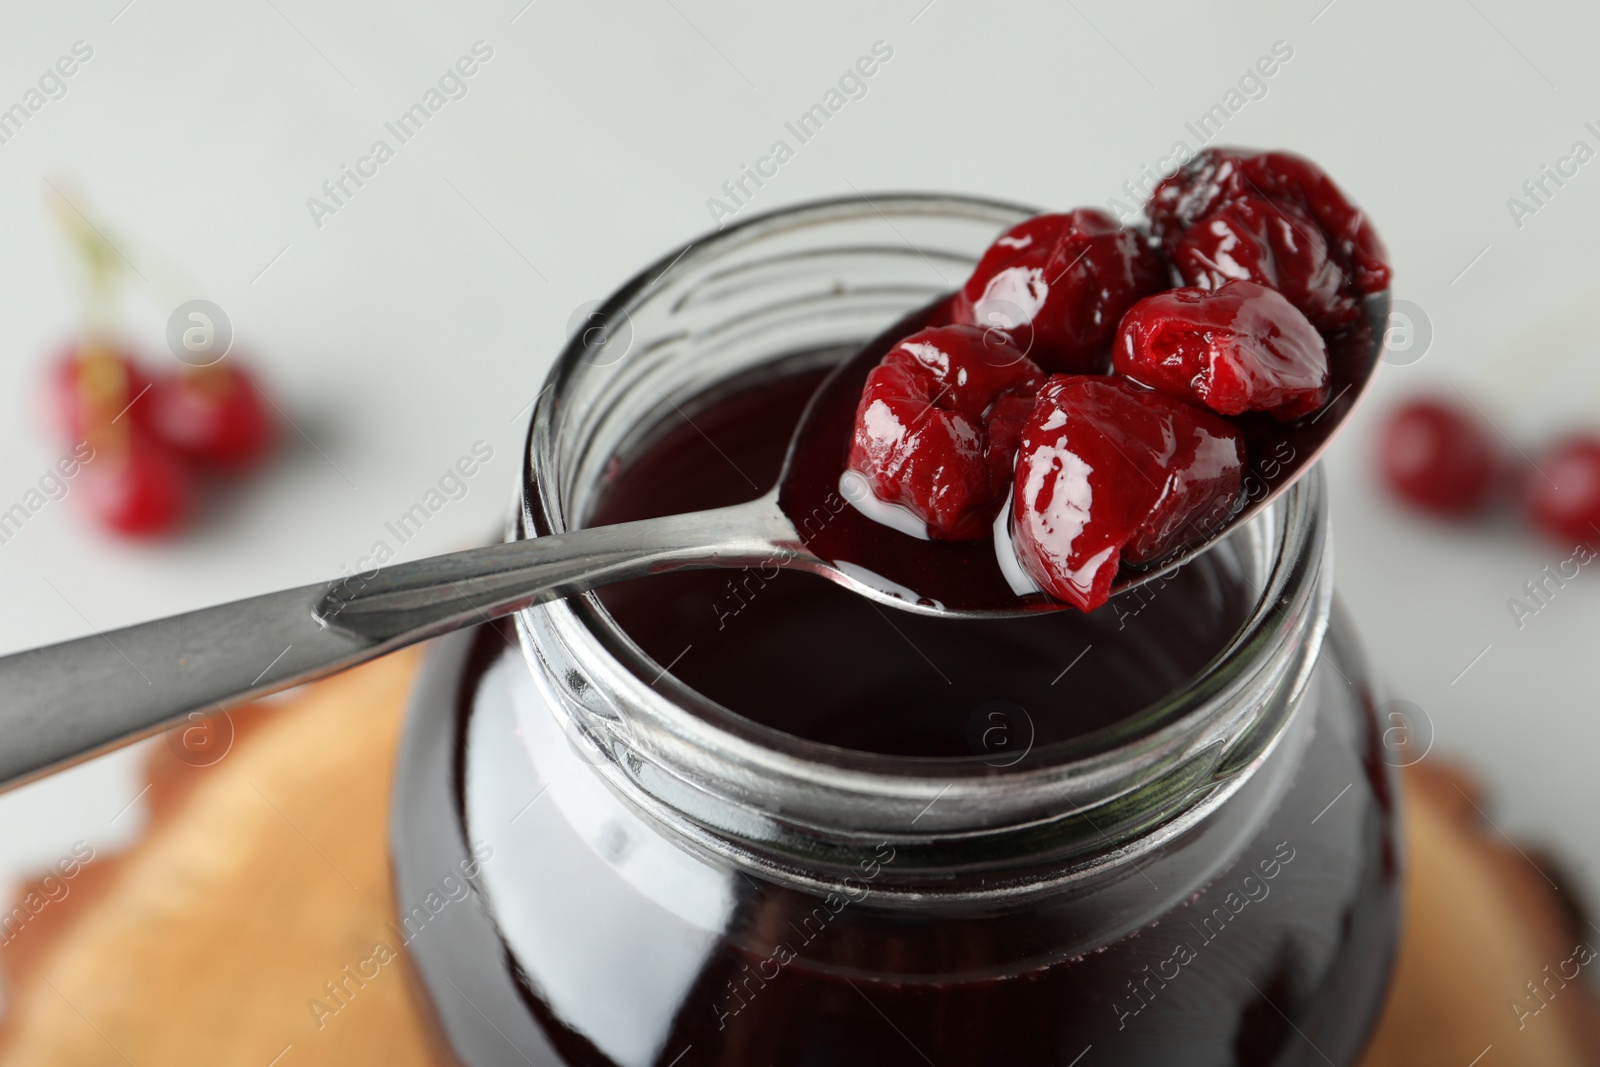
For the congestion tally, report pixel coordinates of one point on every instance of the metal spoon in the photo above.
(65, 702)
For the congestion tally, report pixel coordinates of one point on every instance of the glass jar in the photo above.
(596, 864)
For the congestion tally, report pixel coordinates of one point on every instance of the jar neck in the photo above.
(811, 813)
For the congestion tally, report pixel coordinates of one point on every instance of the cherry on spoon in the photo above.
(65, 702)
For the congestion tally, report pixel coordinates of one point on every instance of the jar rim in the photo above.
(1211, 710)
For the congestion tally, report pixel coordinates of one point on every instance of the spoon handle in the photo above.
(63, 703)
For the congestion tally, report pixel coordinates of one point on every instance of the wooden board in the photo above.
(264, 876)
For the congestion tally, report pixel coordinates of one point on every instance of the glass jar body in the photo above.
(601, 941)
(659, 879)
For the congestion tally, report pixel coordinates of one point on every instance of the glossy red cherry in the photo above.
(1563, 496)
(1059, 284)
(93, 382)
(1438, 457)
(937, 427)
(1276, 244)
(212, 415)
(1242, 347)
(136, 487)
(1107, 472)
(1218, 176)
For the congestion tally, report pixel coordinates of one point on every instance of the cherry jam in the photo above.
(1281, 957)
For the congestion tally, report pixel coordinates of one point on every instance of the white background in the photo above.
(421, 317)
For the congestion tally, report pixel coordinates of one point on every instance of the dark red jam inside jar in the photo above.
(746, 817)
(811, 659)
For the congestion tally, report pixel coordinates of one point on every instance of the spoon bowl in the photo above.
(966, 578)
